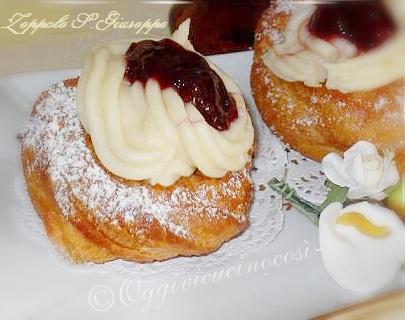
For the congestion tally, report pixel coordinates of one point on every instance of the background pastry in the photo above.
(129, 171)
(326, 76)
(219, 26)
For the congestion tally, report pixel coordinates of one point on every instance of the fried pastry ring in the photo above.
(316, 120)
(94, 216)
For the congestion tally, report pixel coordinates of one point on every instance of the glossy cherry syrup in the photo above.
(219, 26)
(365, 23)
(186, 72)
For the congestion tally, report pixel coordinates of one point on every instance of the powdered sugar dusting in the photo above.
(380, 103)
(276, 37)
(307, 112)
(285, 6)
(57, 137)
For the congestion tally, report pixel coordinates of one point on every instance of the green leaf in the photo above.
(310, 210)
(336, 194)
(391, 189)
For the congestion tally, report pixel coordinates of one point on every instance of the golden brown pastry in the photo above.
(95, 216)
(145, 158)
(311, 110)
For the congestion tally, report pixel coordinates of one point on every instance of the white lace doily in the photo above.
(266, 220)
(306, 177)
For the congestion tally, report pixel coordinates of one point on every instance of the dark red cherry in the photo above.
(186, 72)
(220, 26)
(365, 23)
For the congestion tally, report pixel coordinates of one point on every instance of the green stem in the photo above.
(311, 211)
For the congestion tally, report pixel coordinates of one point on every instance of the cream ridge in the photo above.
(141, 132)
(337, 64)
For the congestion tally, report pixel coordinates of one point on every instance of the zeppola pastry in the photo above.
(219, 26)
(145, 157)
(328, 75)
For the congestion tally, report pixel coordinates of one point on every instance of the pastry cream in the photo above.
(303, 57)
(141, 132)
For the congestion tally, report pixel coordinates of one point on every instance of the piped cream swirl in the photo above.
(141, 132)
(314, 61)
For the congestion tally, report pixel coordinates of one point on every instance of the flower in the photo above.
(361, 245)
(362, 170)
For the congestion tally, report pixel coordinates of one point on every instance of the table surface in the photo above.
(288, 282)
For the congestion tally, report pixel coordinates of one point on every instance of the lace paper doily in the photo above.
(306, 177)
(266, 220)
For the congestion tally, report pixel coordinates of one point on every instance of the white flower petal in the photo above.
(358, 261)
(391, 176)
(357, 193)
(379, 196)
(362, 170)
(361, 147)
(355, 170)
(334, 169)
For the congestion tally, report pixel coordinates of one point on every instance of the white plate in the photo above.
(285, 280)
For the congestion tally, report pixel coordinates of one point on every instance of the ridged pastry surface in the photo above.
(95, 216)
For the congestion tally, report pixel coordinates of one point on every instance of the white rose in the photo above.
(362, 170)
